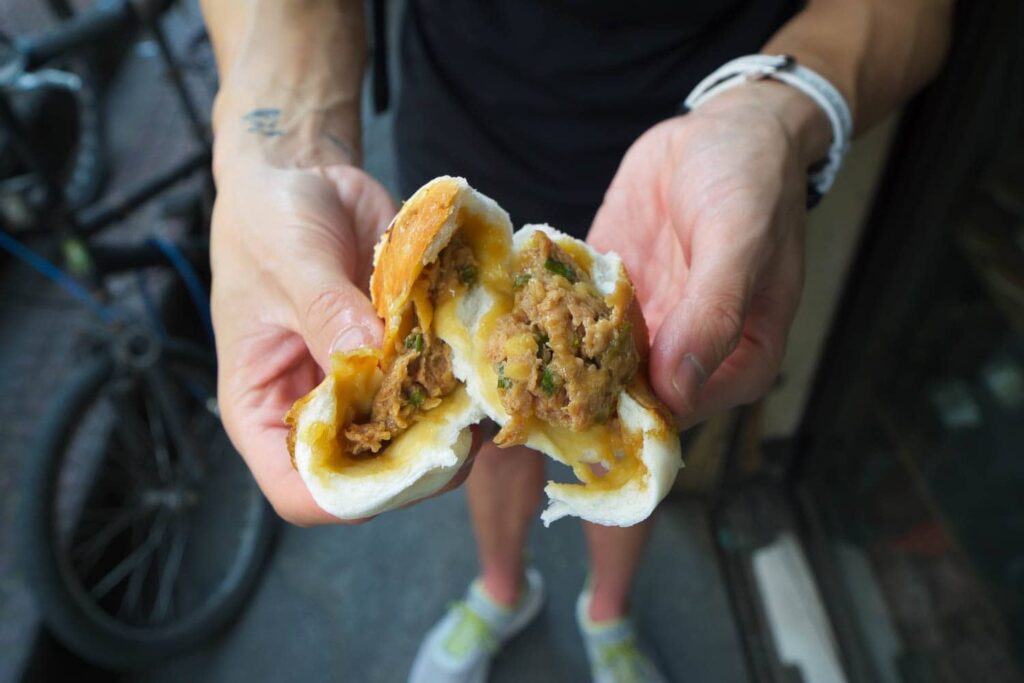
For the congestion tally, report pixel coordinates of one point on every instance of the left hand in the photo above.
(707, 212)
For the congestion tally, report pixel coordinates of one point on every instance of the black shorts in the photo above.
(534, 102)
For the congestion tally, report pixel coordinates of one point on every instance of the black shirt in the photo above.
(536, 101)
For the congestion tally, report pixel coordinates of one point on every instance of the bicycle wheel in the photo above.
(142, 533)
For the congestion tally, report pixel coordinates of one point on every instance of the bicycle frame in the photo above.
(75, 227)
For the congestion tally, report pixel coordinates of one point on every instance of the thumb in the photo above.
(701, 331)
(333, 315)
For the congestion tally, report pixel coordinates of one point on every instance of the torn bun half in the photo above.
(555, 362)
(391, 425)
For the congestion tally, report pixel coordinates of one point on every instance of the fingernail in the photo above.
(351, 338)
(688, 379)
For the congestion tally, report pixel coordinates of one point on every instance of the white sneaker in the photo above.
(459, 648)
(612, 648)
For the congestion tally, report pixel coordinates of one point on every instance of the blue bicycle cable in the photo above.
(191, 279)
(149, 303)
(53, 273)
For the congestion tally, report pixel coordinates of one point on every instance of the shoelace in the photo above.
(625, 660)
(471, 631)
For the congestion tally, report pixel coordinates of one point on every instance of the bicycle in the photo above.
(141, 531)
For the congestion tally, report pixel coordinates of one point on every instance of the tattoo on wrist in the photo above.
(264, 122)
(269, 123)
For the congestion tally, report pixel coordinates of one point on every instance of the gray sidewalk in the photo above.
(351, 603)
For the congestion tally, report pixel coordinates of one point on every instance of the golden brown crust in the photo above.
(291, 419)
(401, 254)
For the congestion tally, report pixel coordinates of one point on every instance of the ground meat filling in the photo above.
(562, 354)
(421, 374)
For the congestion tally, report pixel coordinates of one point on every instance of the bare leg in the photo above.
(503, 491)
(615, 554)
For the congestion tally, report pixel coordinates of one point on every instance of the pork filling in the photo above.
(562, 354)
(420, 375)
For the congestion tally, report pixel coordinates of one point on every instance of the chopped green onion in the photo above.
(415, 341)
(620, 341)
(416, 396)
(521, 280)
(542, 340)
(555, 266)
(467, 275)
(547, 381)
(503, 381)
(576, 339)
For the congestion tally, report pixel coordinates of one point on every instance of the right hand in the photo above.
(291, 253)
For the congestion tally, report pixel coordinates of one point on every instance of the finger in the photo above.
(371, 208)
(327, 270)
(263, 446)
(707, 323)
(259, 377)
(333, 315)
(748, 372)
(265, 452)
(280, 482)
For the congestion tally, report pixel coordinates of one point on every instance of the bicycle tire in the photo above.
(66, 131)
(79, 628)
(87, 170)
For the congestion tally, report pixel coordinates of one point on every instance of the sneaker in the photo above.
(459, 648)
(612, 648)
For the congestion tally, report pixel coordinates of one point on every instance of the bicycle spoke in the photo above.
(99, 514)
(137, 579)
(171, 410)
(91, 550)
(161, 446)
(125, 566)
(159, 567)
(131, 433)
(169, 577)
(128, 463)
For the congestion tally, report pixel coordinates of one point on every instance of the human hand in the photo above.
(707, 212)
(292, 252)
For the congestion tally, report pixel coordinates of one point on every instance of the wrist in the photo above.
(284, 132)
(806, 125)
(291, 76)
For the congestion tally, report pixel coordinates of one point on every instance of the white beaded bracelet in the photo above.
(784, 68)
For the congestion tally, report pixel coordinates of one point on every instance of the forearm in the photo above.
(290, 74)
(876, 52)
